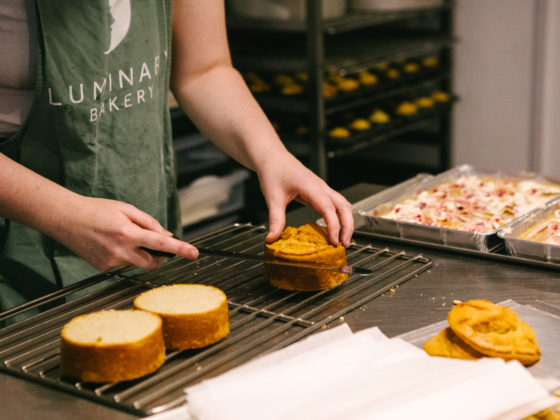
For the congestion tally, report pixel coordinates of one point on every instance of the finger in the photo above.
(143, 259)
(344, 212)
(164, 243)
(326, 208)
(276, 220)
(143, 219)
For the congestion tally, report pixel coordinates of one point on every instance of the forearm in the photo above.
(30, 199)
(222, 107)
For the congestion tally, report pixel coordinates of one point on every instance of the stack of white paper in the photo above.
(340, 375)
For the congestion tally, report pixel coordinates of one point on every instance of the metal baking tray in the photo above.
(262, 318)
(527, 248)
(445, 236)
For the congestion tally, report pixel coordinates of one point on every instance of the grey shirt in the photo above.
(18, 55)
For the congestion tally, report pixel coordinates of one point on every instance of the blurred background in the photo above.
(377, 91)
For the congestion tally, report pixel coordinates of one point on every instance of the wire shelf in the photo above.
(262, 318)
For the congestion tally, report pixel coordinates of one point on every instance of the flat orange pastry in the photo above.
(494, 330)
(307, 243)
(447, 344)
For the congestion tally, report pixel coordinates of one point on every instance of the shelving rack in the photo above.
(335, 46)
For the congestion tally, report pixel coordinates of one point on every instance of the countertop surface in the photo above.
(420, 301)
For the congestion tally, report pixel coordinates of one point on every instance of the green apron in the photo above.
(99, 126)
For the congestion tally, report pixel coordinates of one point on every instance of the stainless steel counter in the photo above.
(418, 302)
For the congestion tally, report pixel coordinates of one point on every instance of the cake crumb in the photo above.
(323, 327)
(457, 301)
(341, 319)
(392, 290)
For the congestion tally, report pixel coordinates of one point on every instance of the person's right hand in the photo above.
(109, 233)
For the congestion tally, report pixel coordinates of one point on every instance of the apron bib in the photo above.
(99, 126)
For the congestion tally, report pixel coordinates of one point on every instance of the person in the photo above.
(87, 169)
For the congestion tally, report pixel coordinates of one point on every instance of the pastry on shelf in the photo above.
(302, 76)
(348, 84)
(367, 78)
(425, 102)
(360, 124)
(256, 83)
(339, 133)
(292, 89)
(393, 74)
(259, 87)
(302, 130)
(379, 117)
(384, 66)
(329, 90)
(406, 109)
(431, 62)
(440, 96)
(283, 79)
(251, 76)
(411, 68)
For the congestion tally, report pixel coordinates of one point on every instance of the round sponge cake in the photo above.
(194, 315)
(307, 243)
(112, 345)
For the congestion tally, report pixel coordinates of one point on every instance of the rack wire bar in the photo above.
(262, 318)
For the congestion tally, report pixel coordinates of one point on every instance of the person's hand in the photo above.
(109, 234)
(284, 179)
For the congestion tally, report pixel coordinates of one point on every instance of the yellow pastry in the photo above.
(379, 117)
(292, 89)
(367, 78)
(430, 62)
(360, 124)
(329, 90)
(406, 108)
(348, 84)
(494, 330)
(425, 102)
(307, 243)
(339, 132)
(283, 79)
(440, 96)
(447, 344)
(393, 74)
(411, 68)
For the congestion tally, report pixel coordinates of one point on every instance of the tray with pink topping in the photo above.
(462, 207)
(535, 235)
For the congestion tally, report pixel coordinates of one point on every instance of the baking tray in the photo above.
(527, 248)
(482, 241)
(262, 318)
(542, 317)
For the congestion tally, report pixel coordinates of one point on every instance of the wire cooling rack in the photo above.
(262, 318)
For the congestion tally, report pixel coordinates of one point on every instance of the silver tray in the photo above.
(531, 249)
(431, 234)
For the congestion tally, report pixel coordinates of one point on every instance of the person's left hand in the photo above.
(283, 179)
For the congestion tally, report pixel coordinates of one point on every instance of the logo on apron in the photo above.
(120, 11)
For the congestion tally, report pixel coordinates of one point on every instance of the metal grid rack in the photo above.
(263, 319)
